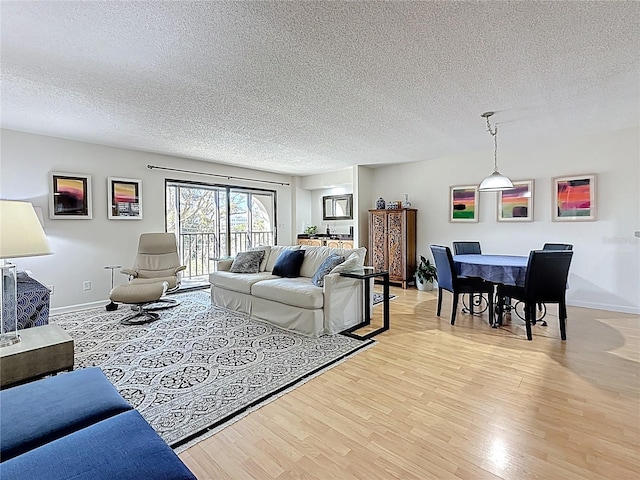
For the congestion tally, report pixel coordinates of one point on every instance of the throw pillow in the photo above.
(266, 249)
(247, 262)
(325, 267)
(352, 262)
(289, 263)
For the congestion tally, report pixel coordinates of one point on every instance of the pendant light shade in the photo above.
(495, 182)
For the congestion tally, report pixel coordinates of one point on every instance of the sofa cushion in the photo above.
(325, 267)
(289, 263)
(122, 446)
(275, 252)
(247, 262)
(266, 249)
(297, 292)
(352, 262)
(39, 412)
(313, 258)
(238, 282)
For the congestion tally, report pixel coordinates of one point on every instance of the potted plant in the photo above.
(425, 274)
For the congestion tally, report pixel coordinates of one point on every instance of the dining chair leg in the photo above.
(562, 316)
(471, 303)
(439, 302)
(454, 308)
(527, 319)
(491, 319)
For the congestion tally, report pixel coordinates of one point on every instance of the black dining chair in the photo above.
(449, 280)
(557, 246)
(545, 282)
(470, 248)
(467, 248)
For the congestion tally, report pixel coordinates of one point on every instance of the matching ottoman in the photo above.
(139, 295)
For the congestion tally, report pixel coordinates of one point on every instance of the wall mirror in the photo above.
(337, 207)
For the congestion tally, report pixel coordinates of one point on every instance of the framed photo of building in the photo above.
(69, 196)
(574, 198)
(463, 203)
(124, 198)
(516, 204)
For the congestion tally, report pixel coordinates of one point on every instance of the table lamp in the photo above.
(21, 235)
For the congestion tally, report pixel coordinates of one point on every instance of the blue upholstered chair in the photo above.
(449, 280)
(466, 248)
(546, 282)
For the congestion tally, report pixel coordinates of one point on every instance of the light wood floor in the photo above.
(432, 400)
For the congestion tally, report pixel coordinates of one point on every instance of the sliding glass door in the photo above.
(214, 221)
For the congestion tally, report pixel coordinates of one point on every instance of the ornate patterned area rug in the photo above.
(379, 297)
(199, 366)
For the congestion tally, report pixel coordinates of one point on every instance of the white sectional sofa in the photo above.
(295, 303)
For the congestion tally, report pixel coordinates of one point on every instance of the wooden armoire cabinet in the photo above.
(392, 243)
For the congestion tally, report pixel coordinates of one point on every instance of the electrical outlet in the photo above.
(51, 289)
(86, 285)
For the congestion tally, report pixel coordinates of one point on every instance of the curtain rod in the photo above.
(228, 177)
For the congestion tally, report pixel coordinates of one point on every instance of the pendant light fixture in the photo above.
(496, 181)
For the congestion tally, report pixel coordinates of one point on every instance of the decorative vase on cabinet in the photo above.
(380, 204)
(392, 243)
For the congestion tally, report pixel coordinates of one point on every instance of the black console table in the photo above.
(365, 274)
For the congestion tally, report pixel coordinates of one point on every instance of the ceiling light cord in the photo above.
(494, 134)
(496, 181)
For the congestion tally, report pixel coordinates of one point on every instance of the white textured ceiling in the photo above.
(306, 87)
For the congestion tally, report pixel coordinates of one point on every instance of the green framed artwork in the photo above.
(463, 203)
(516, 204)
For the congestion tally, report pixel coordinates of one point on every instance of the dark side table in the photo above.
(365, 274)
(33, 302)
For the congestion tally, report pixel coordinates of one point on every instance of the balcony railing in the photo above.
(197, 249)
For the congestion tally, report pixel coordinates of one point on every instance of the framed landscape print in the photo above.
(69, 196)
(463, 203)
(574, 198)
(125, 198)
(516, 204)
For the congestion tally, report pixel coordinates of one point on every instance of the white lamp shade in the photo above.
(495, 182)
(21, 234)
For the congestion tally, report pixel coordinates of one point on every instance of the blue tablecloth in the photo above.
(506, 269)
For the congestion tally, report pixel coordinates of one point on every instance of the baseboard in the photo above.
(605, 306)
(75, 308)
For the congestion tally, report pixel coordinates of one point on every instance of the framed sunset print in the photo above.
(69, 196)
(124, 198)
(516, 204)
(574, 198)
(463, 203)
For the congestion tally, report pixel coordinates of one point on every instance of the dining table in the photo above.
(505, 269)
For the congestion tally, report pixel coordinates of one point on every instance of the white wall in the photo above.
(329, 183)
(605, 272)
(82, 248)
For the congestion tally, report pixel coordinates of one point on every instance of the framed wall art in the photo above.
(124, 198)
(574, 198)
(516, 204)
(463, 203)
(70, 196)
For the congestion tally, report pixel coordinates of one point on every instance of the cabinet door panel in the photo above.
(378, 240)
(395, 239)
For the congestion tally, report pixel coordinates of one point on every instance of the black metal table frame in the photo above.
(365, 275)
